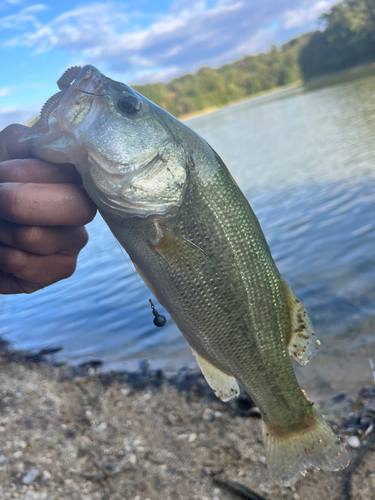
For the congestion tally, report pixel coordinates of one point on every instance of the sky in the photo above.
(134, 41)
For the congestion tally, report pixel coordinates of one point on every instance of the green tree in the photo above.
(214, 87)
(347, 39)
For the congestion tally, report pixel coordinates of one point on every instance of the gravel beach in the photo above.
(68, 433)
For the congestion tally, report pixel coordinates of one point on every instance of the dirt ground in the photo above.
(78, 434)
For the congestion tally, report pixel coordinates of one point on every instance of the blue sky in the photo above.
(133, 41)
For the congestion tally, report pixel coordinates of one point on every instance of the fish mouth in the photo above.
(88, 79)
(79, 99)
(78, 88)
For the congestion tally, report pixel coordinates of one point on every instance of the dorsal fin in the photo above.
(302, 342)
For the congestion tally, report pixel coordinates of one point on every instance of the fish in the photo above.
(173, 205)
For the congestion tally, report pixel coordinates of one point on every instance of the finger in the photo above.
(9, 145)
(9, 284)
(33, 170)
(43, 240)
(31, 271)
(45, 204)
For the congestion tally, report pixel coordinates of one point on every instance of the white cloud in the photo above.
(16, 114)
(23, 19)
(299, 17)
(194, 33)
(5, 92)
(4, 4)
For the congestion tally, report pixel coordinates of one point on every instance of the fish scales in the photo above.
(193, 237)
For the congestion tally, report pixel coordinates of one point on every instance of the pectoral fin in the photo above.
(179, 252)
(302, 342)
(224, 386)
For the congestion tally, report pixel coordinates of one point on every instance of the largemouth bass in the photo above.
(172, 204)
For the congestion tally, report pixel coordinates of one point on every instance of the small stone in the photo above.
(354, 442)
(263, 460)
(46, 475)
(192, 437)
(17, 454)
(20, 467)
(102, 426)
(181, 437)
(2, 459)
(22, 445)
(217, 414)
(131, 459)
(207, 414)
(30, 476)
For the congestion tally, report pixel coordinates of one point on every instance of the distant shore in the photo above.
(328, 79)
(207, 111)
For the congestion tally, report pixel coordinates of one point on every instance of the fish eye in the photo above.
(129, 104)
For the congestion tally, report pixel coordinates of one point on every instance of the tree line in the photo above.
(346, 38)
(216, 87)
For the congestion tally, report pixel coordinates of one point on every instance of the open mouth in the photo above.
(86, 80)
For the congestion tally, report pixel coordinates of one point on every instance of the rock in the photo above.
(131, 459)
(46, 475)
(102, 426)
(2, 459)
(30, 476)
(354, 442)
(192, 437)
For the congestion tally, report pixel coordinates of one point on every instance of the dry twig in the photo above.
(238, 488)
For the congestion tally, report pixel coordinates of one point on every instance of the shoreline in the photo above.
(259, 95)
(77, 434)
(312, 83)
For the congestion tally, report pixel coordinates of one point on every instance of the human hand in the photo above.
(43, 209)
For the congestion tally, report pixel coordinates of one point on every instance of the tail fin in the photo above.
(289, 456)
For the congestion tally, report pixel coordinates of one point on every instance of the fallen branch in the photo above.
(238, 488)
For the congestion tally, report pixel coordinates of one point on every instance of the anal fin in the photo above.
(302, 342)
(224, 386)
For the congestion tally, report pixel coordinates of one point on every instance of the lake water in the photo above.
(305, 159)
